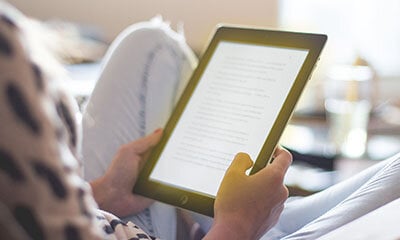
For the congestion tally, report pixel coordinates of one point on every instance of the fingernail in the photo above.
(157, 130)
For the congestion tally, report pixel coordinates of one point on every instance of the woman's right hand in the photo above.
(247, 206)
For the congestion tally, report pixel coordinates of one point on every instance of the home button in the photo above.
(183, 199)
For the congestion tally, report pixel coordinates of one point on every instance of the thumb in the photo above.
(241, 163)
(142, 145)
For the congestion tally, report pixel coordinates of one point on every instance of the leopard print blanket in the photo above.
(42, 195)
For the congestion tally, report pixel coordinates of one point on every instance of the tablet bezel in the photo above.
(202, 203)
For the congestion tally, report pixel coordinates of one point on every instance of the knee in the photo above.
(147, 35)
(145, 39)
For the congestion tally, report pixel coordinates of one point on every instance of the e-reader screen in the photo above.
(232, 110)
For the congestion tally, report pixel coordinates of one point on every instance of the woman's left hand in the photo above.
(113, 191)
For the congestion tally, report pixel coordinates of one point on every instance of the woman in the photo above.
(42, 194)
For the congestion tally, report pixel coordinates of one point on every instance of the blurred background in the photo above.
(347, 119)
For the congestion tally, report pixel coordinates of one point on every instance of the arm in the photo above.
(246, 206)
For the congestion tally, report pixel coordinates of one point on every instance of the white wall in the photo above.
(199, 16)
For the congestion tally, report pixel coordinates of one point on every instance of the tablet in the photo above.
(239, 99)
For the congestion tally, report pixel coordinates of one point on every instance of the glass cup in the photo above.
(348, 106)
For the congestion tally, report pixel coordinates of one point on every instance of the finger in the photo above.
(277, 150)
(241, 163)
(280, 165)
(144, 144)
(282, 159)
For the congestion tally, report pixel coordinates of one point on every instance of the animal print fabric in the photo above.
(42, 195)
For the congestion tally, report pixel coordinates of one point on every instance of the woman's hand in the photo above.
(113, 191)
(247, 206)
